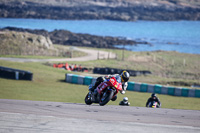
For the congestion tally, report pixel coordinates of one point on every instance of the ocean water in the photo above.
(181, 36)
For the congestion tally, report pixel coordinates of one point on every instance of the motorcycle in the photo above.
(153, 104)
(104, 92)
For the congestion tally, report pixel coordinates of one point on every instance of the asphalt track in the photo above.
(21, 116)
(91, 55)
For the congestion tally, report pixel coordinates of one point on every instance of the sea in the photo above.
(180, 36)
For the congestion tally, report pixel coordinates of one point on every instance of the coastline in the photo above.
(123, 10)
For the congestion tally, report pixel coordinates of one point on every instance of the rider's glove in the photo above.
(122, 92)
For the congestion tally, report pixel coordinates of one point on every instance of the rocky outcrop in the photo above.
(69, 38)
(65, 37)
(125, 10)
(29, 39)
(23, 43)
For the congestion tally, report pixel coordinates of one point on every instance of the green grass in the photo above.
(31, 56)
(167, 68)
(64, 49)
(48, 85)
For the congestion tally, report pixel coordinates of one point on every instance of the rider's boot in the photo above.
(95, 92)
(92, 88)
(90, 91)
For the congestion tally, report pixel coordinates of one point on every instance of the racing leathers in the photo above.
(151, 100)
(124, 103)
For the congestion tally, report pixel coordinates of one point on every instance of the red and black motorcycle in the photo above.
(105, 92)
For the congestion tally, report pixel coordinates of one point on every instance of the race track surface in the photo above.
(21, 116)
(91, 55)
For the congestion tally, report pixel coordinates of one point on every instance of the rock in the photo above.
(24, 43)
(125, 10)
(44, 42)
(65, 37)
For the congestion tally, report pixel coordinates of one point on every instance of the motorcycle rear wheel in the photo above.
(107, 96)
(88, 100)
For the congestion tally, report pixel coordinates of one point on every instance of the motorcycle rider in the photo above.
(125, 102)
(152, 99)
(124, 76)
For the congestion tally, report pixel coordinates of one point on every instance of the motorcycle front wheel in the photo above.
(88, 100)
(107, 96)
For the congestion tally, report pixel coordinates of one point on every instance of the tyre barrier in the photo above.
(107, 70)
(17, 74)
(139, 87)
(79, 79)
(167, 90)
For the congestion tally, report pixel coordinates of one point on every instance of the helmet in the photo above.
(153, 95)
(125, 76)
(125, 99)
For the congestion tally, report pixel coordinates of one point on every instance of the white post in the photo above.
(17, 75)
(184, 62)
(98, 55)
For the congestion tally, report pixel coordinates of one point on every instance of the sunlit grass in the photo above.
(49, 85)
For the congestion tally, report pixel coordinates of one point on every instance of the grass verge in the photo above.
(167, 67)
(48, 85)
